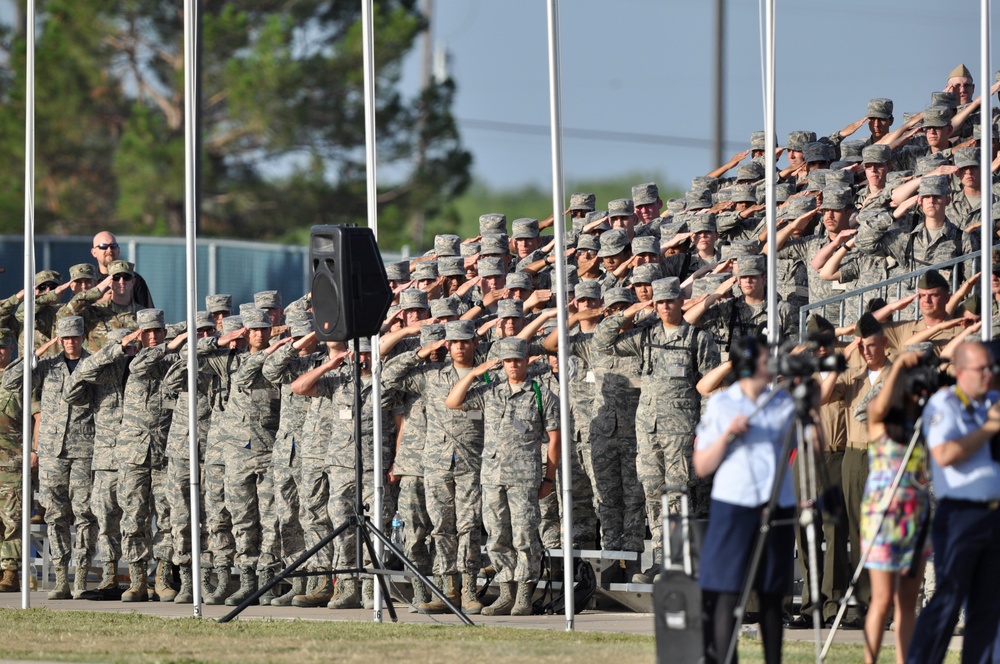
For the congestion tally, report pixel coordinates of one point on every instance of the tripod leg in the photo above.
(364, 528)
(809, 515)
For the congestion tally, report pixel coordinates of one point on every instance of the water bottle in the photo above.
(397, 530)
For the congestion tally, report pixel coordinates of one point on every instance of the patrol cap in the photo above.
(621, 207)
(245, 307)
(796, 207)
(588, 289)
(82, 271)
(512, 348)
(70, 326)
(668, 288)
(444, 307)
(839, 178)
(269, 299)
(618, 295)
(757, 140)
(934, 185)
(850, 151)
(120, 267)
(921, 348)
(738, 248)
(425, 270)
(256, 319)
(589, 242)
(431, 333)
(7, 336)
(218, 302)
(698, 199)
(867, 326)
(451, 266)
(613, 242)
(301, 328)
(931, 280)
(798, 139)
(364, 345)
(816, 179)
(937, 116)
(446, 244)
(836, 198)
(495, 244)
(704, 182)
(597, 215)
(749, 172)
(815, 152)
(944, 98)
(459, 330)
(525, 228)
(965, 157)
(510, 309)
(875, 154)
(490, 266)
(469, 249)
(520, 280)
(703, 223)
(645, 244)
(743, 193)
(117, 334)
(929, 162)
(670, 229)
(47, 277)
(582, 202)
(231, 323)
(646, 273)
(645, 194)
(820, 330)
(399, 271)
(880, 107)
(839, 165)
(782, 191)
(203, 319)
(150, 319)
(751, 265)
(413, 298)
(675, 205)
(492, 222)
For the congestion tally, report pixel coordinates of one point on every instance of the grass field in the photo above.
(82, 636)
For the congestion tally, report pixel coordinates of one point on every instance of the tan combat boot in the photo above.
(320, 595)
(447, 584)
(10, 583)
(110, 575)
(470, 603)
(138, 591)
(523, 601)
(349, 596)
(504, 603)
(61, 590)
(420, 595)
(162, 584)
(80, 578)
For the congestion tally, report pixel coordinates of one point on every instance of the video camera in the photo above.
(926, 377)
(783, 363)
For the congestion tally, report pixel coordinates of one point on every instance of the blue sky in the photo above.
(644, 67)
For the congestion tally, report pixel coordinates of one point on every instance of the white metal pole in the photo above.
(368, 63)
(558, 215)
(986, 175)
(191, 254)
(28, 349)
(769, 172)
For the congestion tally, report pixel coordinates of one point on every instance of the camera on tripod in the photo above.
(926, 377)
(802, 365)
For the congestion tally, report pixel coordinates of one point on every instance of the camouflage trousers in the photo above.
(218, 521)
(511, 516)
(454, 504)
(314, 495)
(550, 511)
(249, 487)
(584, 492)
(10, 519)
(143, 494)
(179, 497)
(619, 494)
(108, 512)
(64, 486)
(412, 507)
(286, 509)
(341, 507)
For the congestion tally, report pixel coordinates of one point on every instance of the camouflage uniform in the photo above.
(669, 407)
(47, 305)
(314, 487)
(10, 479)
(802, 250)
(99, 317)
(734, 317)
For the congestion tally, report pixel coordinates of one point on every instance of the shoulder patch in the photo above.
(936, 418)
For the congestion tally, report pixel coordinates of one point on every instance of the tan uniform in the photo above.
(898, 332)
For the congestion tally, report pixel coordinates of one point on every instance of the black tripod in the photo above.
(364, 528)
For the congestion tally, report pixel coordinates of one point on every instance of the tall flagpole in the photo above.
(28, 349)
(986, 175)
(368, 63)
(558, 215)
(769, 171)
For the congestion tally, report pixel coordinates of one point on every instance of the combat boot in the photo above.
(264, 578)
(61, 590)
(368, 593)
(522, 603)
(80, 578)
(648, 576)
(320, 595)
(420, 595)
(110, 575)
(632, 567)
(138, 591)
(218, 596)
(349, 594)
(446, 583)
(504, 603)
(161, 585)
(248, 586)
(186, 593)
(206, 580)
(10, 582)
(298, 588)
(470, 603)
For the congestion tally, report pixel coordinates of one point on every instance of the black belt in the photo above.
(976, 504)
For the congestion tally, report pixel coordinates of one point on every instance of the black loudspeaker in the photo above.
(350, 291)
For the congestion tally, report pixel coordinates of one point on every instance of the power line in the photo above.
(596, 134)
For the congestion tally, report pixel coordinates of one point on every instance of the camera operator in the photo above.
(742, 446)
(958, 425)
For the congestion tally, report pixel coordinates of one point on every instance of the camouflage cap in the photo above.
(966, 157)
(7, 337)
(582, 202)
(446, 244)
(150, 319)
(431, 333)
(752, 265)
(218, 302)
(757, 140)
(880, 107)
(512, 348)
(469, 249)
(490, 266)
(937, 116)
(698, 199)
(876, 154)
(675, 205)
(850, 151)
(934, 185)
(231, 323)
(399, 271)
(670, 229)
(996, 213)
(47, 277)
(722, 196)
(451, 266)
(120, 267)
(588, 289)
(668, 288)
(645, 244)
(492, 222)
(646, 273)
(815, 152)
(445, 307)
(117, 334)
(245, 307)
(588, 242)
(459, 330)
(256, 319)
(796, 207)
(525, 228)
(749, 172)
(839, 178)
(495, 244)
(744, 193)
(947, 99)
(301, 328)
(836, 198)
(413, 298)
(703, 223)
(520, 280)
(364, 345)
(646, 193)
(82, 271)
(816, 179)
(425, 270)
(738, 248)
(839, 165)
(798, 139)
(269, 299)
(621, 207)
(929, 162)
(707, 284)
(618, 295)
(510, 308)
(203, 319)
(783, 190)
(613, 242)
(69, 326)
(597, 215)
(932, 279)
(705, 182)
